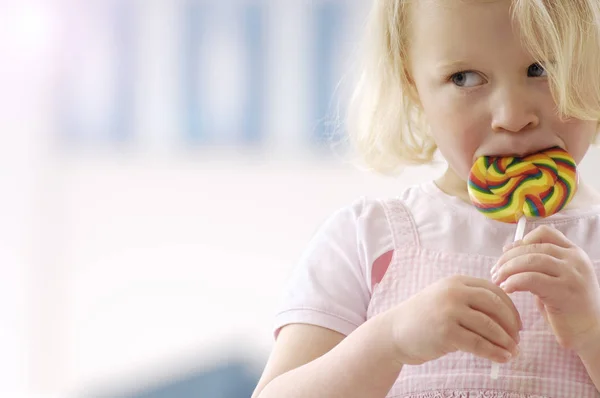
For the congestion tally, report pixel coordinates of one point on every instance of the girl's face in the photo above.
(480, 90)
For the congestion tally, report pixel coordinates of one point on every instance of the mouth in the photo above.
(520, 154)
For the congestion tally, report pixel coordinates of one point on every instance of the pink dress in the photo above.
(372, 255)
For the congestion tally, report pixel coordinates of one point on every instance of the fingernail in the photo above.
(494, 277)
(494, 269)
(502, 285)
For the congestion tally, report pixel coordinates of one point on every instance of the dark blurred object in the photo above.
(233, 380)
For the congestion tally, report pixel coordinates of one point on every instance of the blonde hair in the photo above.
(386, 124)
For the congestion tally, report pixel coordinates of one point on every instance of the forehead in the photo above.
(454, 28)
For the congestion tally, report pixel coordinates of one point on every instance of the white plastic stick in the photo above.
(495, 370)
(520, 228)
(520, 232)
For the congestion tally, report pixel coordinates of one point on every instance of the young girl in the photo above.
(409, 296)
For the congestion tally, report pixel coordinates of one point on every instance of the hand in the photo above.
(562, 278)
(456, 314)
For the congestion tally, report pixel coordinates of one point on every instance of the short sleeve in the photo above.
(329, 286)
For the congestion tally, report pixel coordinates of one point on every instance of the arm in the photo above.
(310, 361)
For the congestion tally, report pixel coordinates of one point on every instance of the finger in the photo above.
(468, 341)
(482, 324)
(546, 234)
(541, 285)
(482, 283)
(522, 249)
(511, 245)
(536, 262)
(492, 305)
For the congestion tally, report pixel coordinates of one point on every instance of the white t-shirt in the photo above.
(332, 284)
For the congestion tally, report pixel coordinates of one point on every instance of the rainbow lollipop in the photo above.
(513, 189)
(538, 185)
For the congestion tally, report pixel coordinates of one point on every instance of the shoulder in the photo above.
(367, 230)
(369, 221)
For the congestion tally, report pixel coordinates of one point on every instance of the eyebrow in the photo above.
(451, 66)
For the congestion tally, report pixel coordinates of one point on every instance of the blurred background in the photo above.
(163, 163)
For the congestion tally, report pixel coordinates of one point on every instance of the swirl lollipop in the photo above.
(513, 189)
(538, 185)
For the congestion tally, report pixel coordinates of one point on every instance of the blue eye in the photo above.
(466, 79)
(536, 70)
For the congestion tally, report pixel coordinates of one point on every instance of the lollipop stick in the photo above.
(495, 370)
(520, 228)
(518, 236)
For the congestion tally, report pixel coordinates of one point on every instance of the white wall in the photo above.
(184, 260)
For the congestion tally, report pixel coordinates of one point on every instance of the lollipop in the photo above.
(513, 189)
(509, 188)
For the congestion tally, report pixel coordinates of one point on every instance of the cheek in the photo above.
(577, 136)
(458, 134)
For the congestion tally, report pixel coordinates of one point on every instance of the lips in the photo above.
(519, 153)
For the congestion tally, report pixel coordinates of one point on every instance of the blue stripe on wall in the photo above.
(74, 130)
(200, 128)
(194, 110)
(254, 109)
(122, 118)
(329, 18)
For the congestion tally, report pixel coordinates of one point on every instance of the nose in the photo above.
(514, 111)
